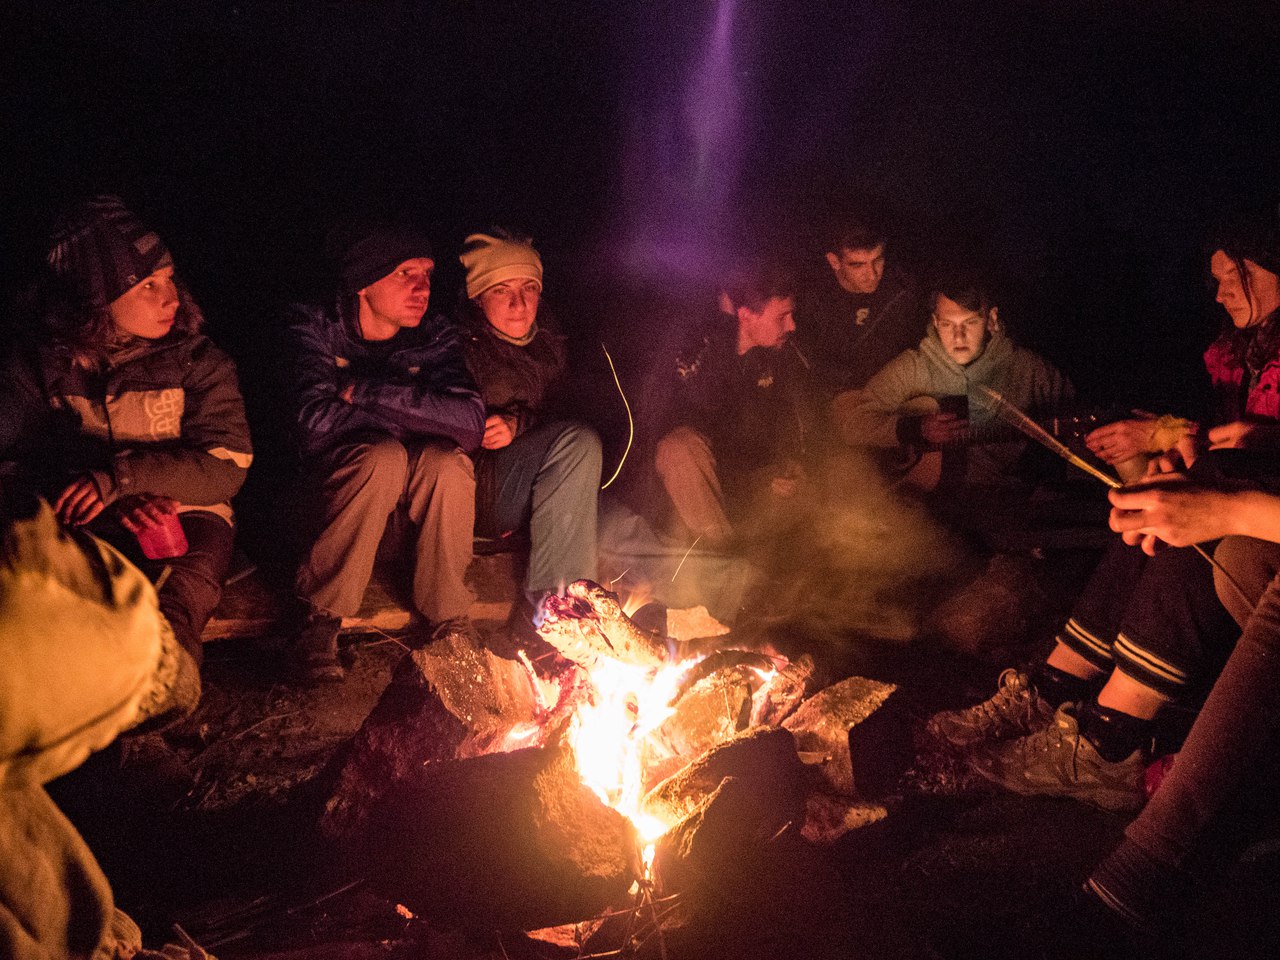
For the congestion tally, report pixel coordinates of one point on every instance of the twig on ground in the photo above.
(264, 720)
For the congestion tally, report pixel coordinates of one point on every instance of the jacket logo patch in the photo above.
(164, 412)
(860, 317)
(765, 381)
(414, 371)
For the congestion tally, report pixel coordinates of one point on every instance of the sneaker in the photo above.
(1059, 762)
(1014, 711)
(313, 654)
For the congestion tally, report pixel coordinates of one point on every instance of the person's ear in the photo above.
(993, 320)
(834, 262)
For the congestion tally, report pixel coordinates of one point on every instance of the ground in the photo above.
(222, 843)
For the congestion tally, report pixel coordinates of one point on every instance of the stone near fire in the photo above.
(993, 613)
(763, 759)
(711, 711)
(451, 700)
(506, 840)
(728, 827)
(822, 723)
(786, 691)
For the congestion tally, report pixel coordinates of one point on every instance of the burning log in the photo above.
(508, 840)
(822, 723)
(588, 623)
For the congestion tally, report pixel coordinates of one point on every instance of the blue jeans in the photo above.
(548, 477)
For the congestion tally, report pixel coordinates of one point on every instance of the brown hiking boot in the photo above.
(1060, 762)
(313, 654)
(1015, 710)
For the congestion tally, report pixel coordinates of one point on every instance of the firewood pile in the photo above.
(461, 796)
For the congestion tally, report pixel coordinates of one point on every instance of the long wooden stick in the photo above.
(1038, 433)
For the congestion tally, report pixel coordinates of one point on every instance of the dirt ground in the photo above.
(217, 833)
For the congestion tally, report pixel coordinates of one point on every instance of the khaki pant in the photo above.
(359, 485)
(688, 470)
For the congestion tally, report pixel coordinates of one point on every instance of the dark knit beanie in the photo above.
(101, 251)
(367, 254)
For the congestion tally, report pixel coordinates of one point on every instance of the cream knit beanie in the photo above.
(493, 260)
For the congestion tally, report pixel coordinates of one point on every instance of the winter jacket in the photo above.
(414, 385)
(756, 409)
(1023, 378)
(162, 417)
(522, 382)
(849, 337)
(1238, 394)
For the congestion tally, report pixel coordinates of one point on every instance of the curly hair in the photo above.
(56, 315)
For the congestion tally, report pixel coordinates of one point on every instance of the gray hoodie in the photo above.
(1024, 378)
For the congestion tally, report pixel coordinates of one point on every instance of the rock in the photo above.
(698, 855)
(828, 818)
(786, 691)
(449, 701)
(992, 613)
(822, 723)
(506, 840)
(711, 711)
(763, 759)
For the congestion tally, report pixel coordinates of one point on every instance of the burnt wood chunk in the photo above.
(822, 723)
(588, 623)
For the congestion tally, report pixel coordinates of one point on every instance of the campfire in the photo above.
(622, 771)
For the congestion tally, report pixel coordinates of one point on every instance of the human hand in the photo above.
(79, 502)
(142, 511)
(940, 429)
(499, 430)
(1122, 440)
(1242, 434)
(1170, 508)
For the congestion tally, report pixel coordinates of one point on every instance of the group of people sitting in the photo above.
(129, 422)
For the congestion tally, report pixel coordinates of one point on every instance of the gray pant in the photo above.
(358, 486)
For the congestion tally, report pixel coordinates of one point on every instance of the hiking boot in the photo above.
(1015, 710)
(462, 626)
(1059, 762)
(313, 654)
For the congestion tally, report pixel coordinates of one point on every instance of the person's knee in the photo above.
(581, 446)
(680, 448)
(1245, 567)
(447, 467)
(383, 462)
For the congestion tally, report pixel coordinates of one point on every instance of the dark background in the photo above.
(1078, 147)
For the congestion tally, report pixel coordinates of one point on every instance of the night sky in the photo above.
(1077, 148)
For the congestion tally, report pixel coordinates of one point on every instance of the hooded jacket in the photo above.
(1024, 378)
(162, 416)
(413, 386)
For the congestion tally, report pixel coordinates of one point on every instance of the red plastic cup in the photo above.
(164, 539)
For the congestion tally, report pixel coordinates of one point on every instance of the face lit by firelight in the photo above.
(964, 333)
(858, 271)
(1250, 307)
(147, 309)
(768, 327)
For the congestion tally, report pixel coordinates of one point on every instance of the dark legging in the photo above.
(1206, 787)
